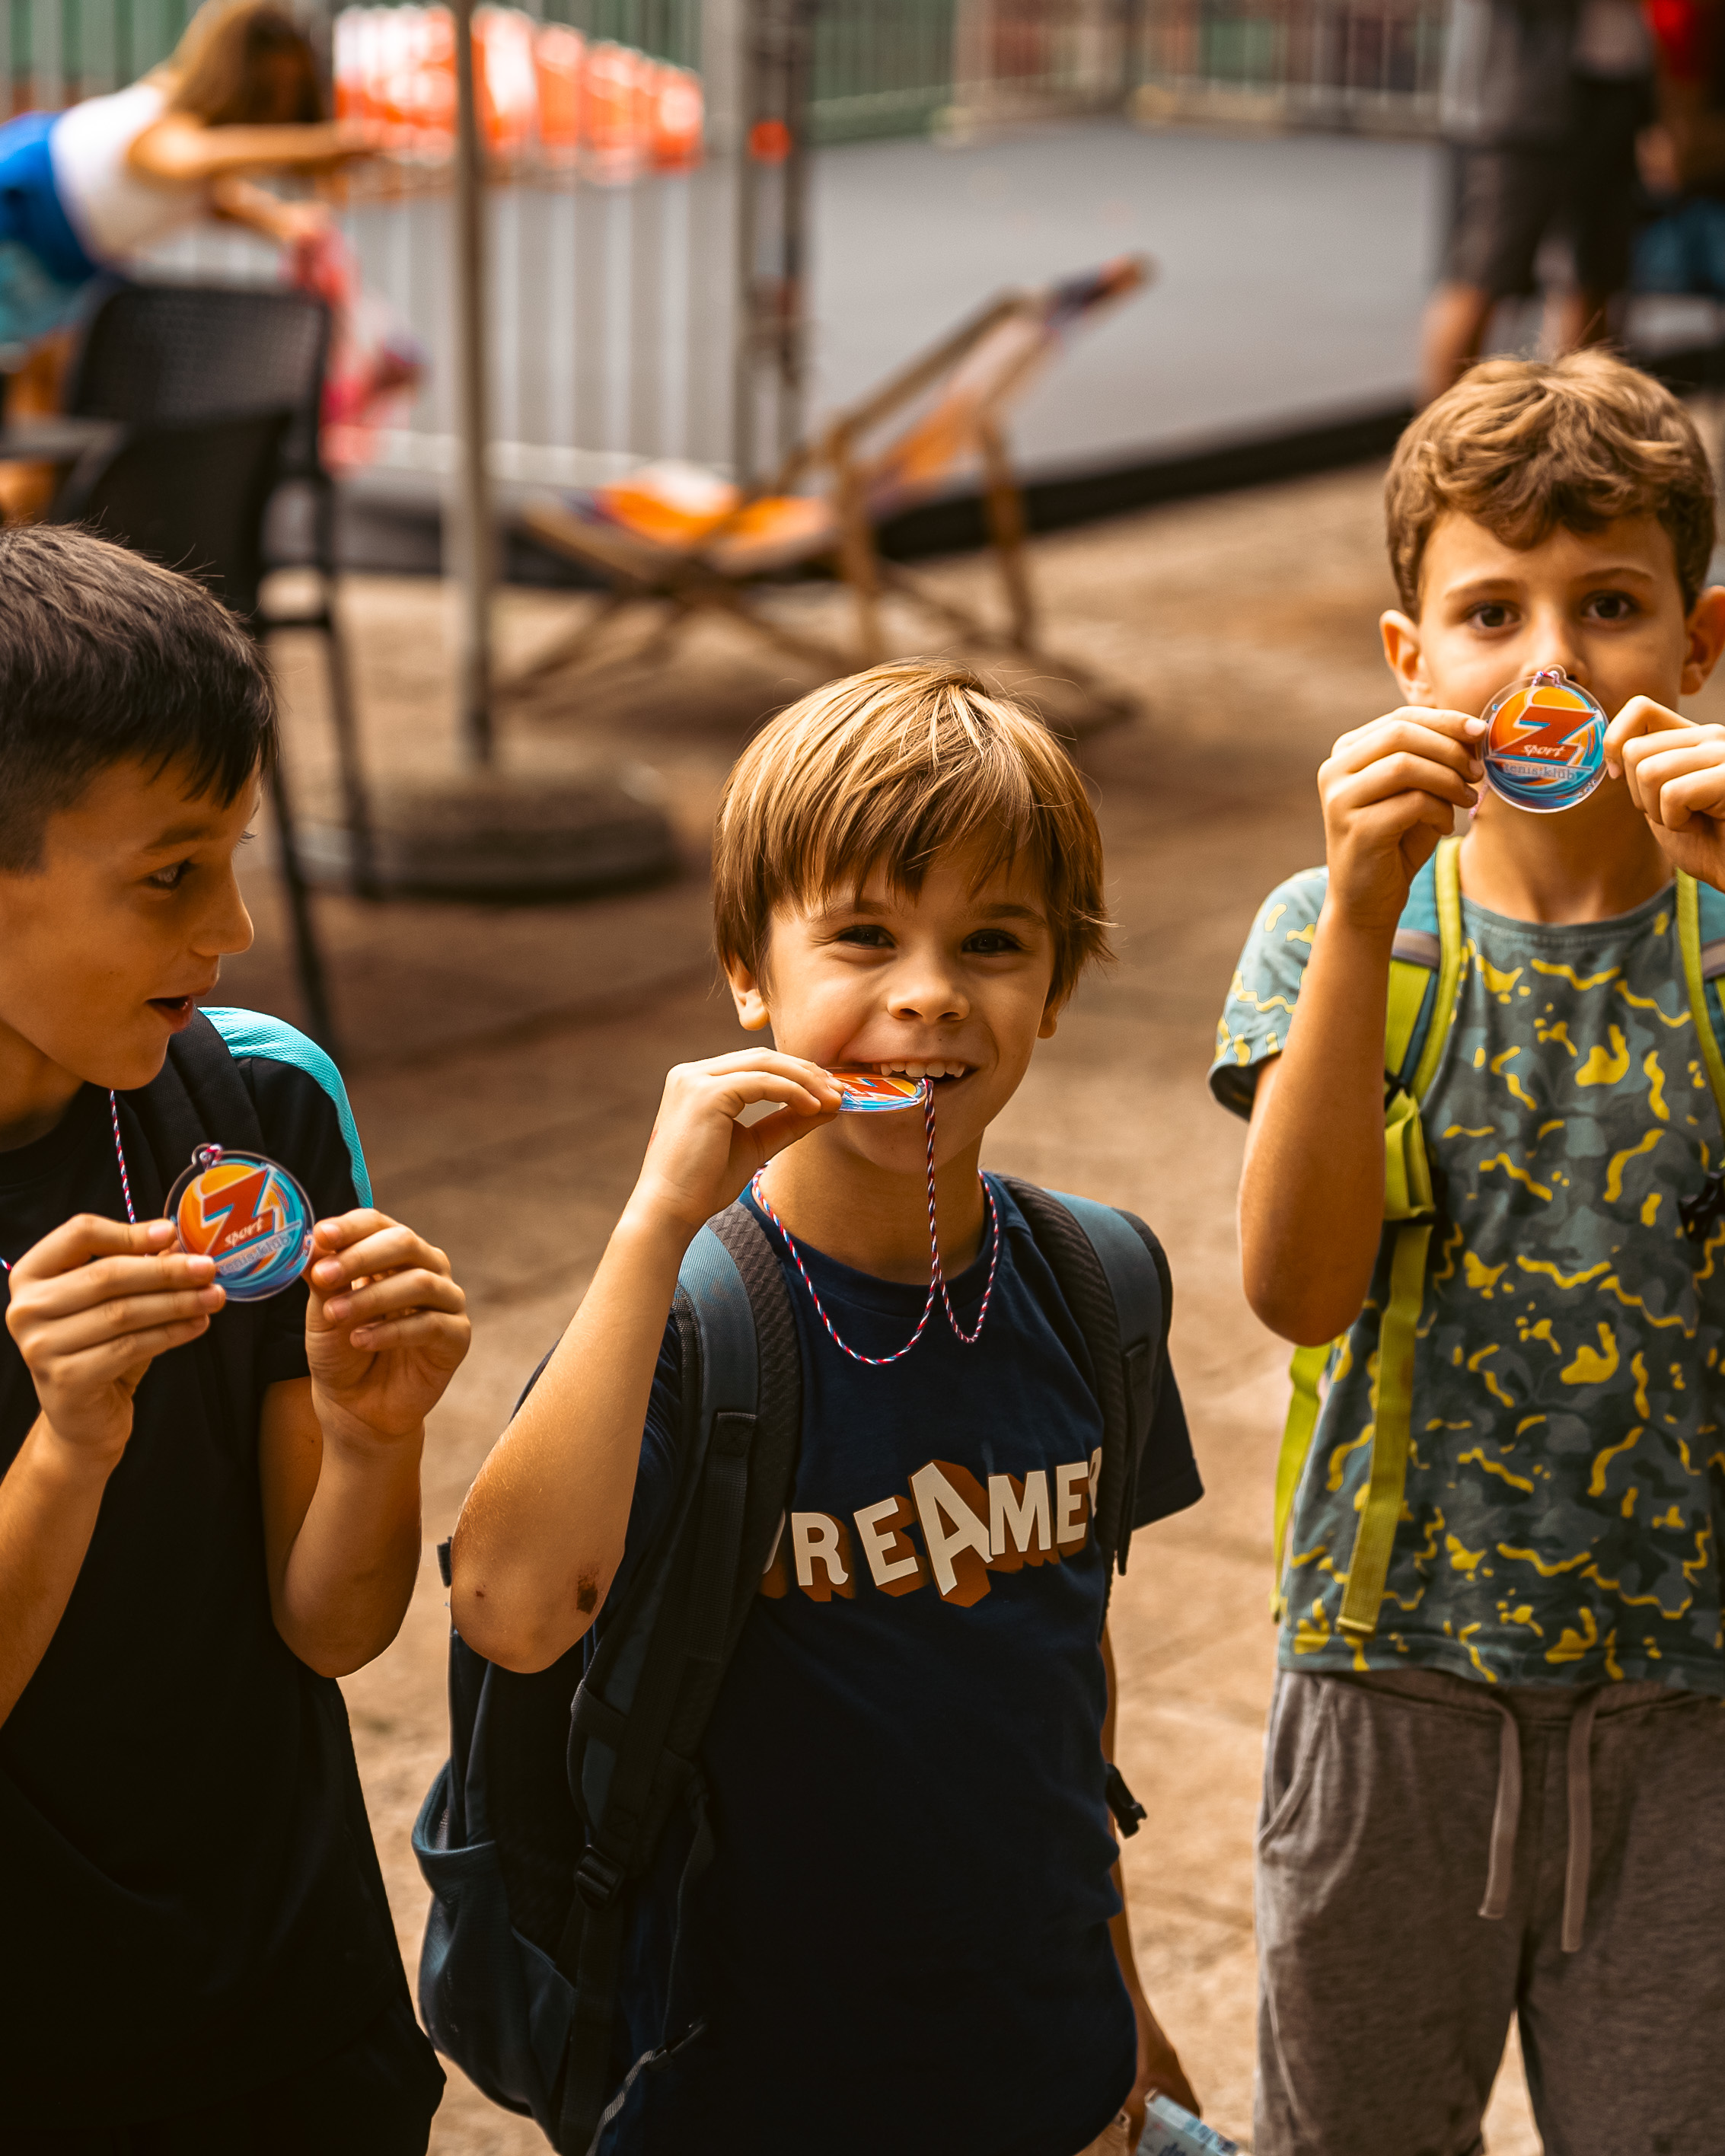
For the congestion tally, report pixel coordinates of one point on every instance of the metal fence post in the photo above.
(772, 226)
(475, 547)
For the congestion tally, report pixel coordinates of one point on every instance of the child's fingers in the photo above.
(416, 1288)
(1687, 795)
(390, 1247)
(1641, 716)
(1447, 737)
(1651, 764)
(88, 1235)
(747, 1088)
(92, 1367)
(814, 1075)
(104, 1281)
(124, 1319)
(1393, 776)
(418, 1328)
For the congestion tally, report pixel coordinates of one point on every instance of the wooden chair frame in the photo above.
(681, 586)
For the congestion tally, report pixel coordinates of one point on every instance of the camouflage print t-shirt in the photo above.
(1568, 1468)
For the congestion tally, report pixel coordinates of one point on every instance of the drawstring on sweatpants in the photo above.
(1506, 1818)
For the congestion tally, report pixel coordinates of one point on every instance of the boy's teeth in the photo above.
(924, 1069)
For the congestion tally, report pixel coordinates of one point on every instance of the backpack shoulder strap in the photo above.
(248, 1033)
(1424, 974)
(1701, 940)
(197, 1098)
(1113, 1272)
(643, 1704)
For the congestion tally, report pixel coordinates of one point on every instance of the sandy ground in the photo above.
(504, 1067)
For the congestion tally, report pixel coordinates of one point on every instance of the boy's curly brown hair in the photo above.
(884, 770)
(1527, 446)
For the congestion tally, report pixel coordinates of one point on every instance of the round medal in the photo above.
(248, 1213)
(878, 1093)
(1544, 748)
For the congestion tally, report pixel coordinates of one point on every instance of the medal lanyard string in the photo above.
(936, 1272)
(125, 1180)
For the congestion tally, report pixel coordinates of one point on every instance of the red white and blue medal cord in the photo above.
(125, 1180)
(936, 1275)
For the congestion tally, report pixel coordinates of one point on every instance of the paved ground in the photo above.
(505, 1065)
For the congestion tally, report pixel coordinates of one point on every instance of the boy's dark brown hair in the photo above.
(106, 658)
(883, 771)
(1526, 447)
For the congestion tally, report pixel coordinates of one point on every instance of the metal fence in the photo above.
(887, 67)
(646, 305)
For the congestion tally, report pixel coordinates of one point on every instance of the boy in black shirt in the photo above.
(207, 1514)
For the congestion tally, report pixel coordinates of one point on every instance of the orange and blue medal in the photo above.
(878, 1092)
(246, 1212)
(1544, 748)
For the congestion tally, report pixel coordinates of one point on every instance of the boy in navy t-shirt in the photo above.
(911, 1936)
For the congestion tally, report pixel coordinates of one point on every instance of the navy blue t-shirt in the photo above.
(902, 1941)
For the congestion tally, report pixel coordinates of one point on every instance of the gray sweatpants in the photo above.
(1436, 1855)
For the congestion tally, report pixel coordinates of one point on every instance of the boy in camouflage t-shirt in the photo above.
(1508, 1798)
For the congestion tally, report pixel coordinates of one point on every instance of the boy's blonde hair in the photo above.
(1525, 446)
(884, 770)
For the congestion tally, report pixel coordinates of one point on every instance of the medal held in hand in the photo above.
(878, 1092)
(247, 1213)
(1544, 748)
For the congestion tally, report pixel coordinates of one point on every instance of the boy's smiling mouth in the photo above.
(933, 1066)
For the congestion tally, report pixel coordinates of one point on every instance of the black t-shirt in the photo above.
(192, 1905)
(902, 1942)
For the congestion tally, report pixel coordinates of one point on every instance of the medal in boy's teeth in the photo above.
(1544, 748)
(878, 1092)
(247, 1213)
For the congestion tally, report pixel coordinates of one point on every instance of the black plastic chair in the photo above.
(195, 497)
(172, 355)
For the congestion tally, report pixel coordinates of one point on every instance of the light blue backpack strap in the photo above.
(253, 1033)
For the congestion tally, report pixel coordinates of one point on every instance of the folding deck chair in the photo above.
(680, 540)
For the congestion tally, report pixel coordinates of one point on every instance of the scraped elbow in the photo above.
(521, 1632)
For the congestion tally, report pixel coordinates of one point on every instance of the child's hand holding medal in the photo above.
(386, 1324)
(701, 1154)
(1675, 771)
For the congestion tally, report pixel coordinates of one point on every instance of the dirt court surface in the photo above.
(504, 1067)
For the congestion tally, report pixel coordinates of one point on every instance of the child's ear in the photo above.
(1051, 1019)
(749, 996)
(1406, 660)
(1705, 634)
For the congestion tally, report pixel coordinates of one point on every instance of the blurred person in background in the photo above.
(1542, 102)
(83, 192)
(1682, 155)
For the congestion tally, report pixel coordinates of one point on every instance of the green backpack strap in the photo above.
(1408, 1200)
(1697, 955)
